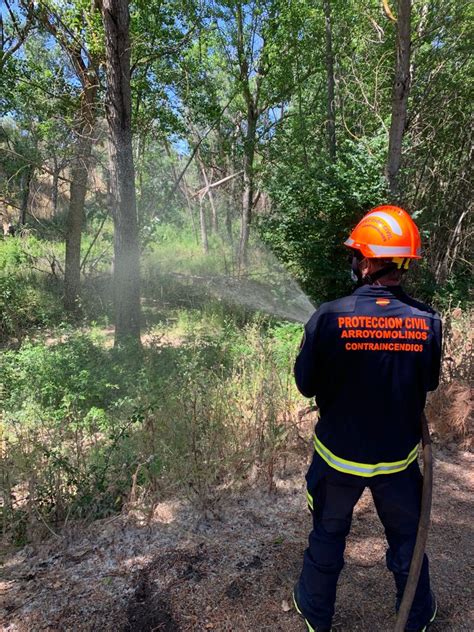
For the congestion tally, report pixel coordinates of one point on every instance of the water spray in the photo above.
(264, 286)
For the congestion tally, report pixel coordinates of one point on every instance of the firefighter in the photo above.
(369, 360)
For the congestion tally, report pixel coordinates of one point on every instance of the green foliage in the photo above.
(27, 303)
(176, 249)
(12, 256)
(60, 378)
(314, 207)
(28, 298)
(82, 420)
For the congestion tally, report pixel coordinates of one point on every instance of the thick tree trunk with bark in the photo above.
(122, 173)
(401, 88)
(77, 195)
(331, 103)
(86, 74)
(252, 97)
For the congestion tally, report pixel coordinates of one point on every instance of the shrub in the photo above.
(89, 429)
(27, 302)
(314, 206)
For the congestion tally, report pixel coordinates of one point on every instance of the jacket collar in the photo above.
(380, 290)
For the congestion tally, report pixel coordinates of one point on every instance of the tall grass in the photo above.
(87, 429)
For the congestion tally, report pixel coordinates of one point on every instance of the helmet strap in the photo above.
(371, 278)
(356, 274)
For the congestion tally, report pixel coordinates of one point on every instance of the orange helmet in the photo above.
(386, 232)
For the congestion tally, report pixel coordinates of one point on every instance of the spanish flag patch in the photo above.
(383, 302)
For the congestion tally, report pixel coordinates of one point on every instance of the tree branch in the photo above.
(195, 150)
(204, 190)
(388, 11)
(22, 32)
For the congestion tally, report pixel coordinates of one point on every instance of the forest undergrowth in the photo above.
(177, 181)
(207, 404)
(144, 487)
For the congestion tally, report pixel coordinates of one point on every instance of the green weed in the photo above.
(89, 429)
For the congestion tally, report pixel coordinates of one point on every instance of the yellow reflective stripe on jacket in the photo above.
(309, 499)
(362, 469)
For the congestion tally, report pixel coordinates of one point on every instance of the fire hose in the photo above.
(423, 527)
(423, 524)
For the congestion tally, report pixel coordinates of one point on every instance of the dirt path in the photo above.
(234, 571)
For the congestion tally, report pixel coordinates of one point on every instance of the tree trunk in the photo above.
(25, 195)
(202, 222)
(183, 187)
(122, 173)
(83, 150)
(140, 145)
(214, 216)
(251, 100)
(55, 186)
(185, 192)
(401, 88)
(331, 103)
(232, 203)
(228, 224)
(77, 196)
(214, 221)
(247, 198)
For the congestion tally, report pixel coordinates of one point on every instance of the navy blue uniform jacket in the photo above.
(369, 359)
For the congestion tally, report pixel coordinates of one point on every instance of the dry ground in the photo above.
(232, 571)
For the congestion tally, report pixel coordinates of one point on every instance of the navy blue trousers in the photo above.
(397, 499)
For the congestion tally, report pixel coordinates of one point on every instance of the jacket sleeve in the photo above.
(437, 346)
(306, 368)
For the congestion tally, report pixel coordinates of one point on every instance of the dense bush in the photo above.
(314, 206)
(26, 302)
(29, 296)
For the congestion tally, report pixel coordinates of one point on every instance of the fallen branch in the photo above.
(305, 411)
(96, 236)
(202, 192)
(195, 149)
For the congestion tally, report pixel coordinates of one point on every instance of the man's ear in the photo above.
(364, 266)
